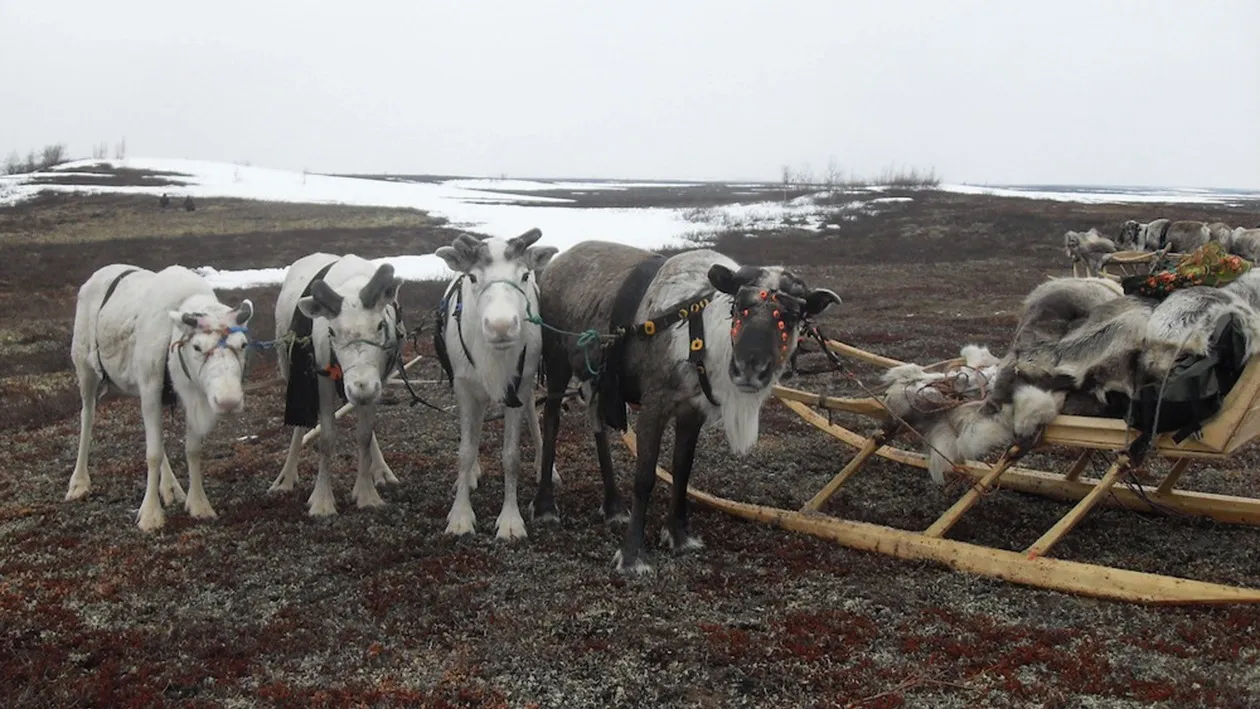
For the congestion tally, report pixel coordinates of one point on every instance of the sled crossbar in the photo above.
(1236, 424)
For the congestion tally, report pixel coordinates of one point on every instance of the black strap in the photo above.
(301, 400)
(443, 316)
(456, 291)
(678, 313)
(614, 385)
(108, 293)
(696, 356)
(1163, 235)
(168, 386)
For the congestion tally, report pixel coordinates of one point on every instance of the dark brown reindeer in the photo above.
(705, 341)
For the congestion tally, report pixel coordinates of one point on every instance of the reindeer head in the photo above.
(359, 330)
(498, 274)
(1072, 244)
(769, 307)
(210, 344)
(1129, 233)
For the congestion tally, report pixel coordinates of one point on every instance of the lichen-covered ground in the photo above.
(265, 606)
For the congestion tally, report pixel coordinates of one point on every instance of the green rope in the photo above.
(586, 339)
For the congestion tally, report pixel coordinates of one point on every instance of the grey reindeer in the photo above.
(706, 341)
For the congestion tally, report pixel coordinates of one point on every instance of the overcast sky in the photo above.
(1152, 92)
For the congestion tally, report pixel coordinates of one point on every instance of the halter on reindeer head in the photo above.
(770, 309)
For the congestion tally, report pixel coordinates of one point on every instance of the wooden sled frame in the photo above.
(1120, 264)
(1237, 423)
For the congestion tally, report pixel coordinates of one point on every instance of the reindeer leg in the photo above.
(152, 517)
(535, 430)
(321, 502)
(381, 473)
(614, 507)
(197, 424)
(677, 532)
(510, 525)
(364, 491)
(289, 473)
(80, 481)
(170, 488)
(629, 559)
(472, 409)
(558, 374)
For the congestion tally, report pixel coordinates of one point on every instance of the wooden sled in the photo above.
(1237, 423)
(1121, 264)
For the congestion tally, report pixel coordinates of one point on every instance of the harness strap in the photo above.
(696, 356)
(663, 322)
(459, 318)
(439, 331)
(1162, 241)
(510, 398)
(100, 364)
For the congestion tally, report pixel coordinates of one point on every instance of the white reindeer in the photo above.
(348, 309)
(158, 336)
(494, 353)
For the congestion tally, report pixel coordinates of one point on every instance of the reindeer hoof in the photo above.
(151, 520)
(680, 541)
(460, 524)
(77, 492)
(544, 512)
(511, 528)
(637, 567)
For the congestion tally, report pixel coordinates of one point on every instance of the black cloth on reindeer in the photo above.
(301, 396)
(616, 387)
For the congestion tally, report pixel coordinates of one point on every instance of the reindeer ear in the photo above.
(461, 255)
(188, 321)
(819, 300)
(244, 311)
(454, 259)
(728, 281)
(537, 257)
(723, 279)
(323, 302)
(381, 288)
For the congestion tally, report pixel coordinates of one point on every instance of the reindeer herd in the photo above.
(1093, 250)
(691, 339)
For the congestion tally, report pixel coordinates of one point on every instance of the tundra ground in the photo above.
(265, 606)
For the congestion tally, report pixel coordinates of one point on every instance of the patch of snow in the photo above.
(408, 268)
(509, 185)
(1102, 195)
(892, 199)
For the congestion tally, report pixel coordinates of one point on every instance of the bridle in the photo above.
(179, 345)
(782, 307)
(387, 344)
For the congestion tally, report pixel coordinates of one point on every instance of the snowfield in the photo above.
(507, 207)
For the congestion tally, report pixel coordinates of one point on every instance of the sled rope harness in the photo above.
(887, 432)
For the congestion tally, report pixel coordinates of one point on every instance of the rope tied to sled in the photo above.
(946, 393)
(839, 366)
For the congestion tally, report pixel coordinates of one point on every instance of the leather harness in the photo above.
(444, 312)
(168, 386)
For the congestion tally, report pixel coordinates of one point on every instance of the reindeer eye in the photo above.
(332, 333)
(197, 348)
(472, 278)
(525, 277)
